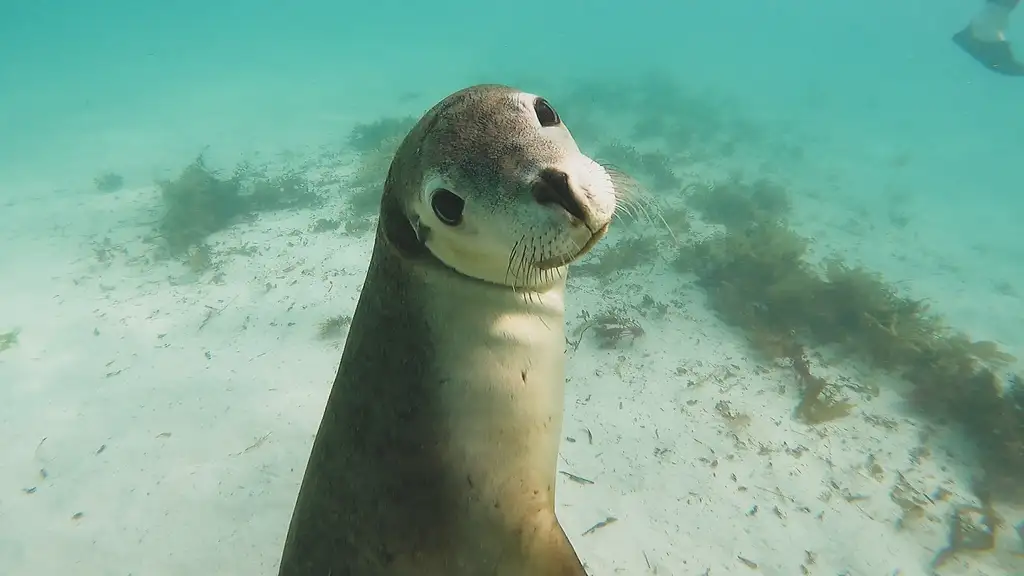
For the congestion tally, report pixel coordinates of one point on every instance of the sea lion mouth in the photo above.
(564, 259)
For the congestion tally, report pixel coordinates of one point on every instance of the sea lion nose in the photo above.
(552, 188)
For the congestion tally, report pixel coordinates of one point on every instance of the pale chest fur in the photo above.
(502, 366)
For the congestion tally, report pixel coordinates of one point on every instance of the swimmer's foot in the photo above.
(994, 55)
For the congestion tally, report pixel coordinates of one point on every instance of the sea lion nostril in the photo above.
(552, 187)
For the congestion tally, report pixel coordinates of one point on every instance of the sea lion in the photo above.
(437, 452)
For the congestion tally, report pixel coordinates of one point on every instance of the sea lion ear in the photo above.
(404, 231)
(421, 230)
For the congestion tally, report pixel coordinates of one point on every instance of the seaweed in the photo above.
(653, 169)
(757, 277)
(610, 327)
(625, 255)
(913, 503)
(866, 313)
(678, 219)
(736, 420)
(105, 251)
(367, 181)
(333, 328)
(736, 203)
(9, 339)
(199, 202)
(370, 136)
(324, 225)
(971, 529)
(819, 400)
(818, 403)
(376, 144)
(199, 258)
(108, 182)
(682, 119)
(288, 191)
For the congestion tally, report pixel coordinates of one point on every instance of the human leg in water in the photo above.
(985, 38)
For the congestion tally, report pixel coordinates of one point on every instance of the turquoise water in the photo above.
(899, 151)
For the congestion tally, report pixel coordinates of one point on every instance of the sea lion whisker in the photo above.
(511, 258)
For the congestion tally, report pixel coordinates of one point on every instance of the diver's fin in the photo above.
(996, 56)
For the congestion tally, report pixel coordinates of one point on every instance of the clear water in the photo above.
(899, 151)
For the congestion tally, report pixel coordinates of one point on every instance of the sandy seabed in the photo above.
(157, 421)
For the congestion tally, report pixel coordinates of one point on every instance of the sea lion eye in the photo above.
(546, 115)
(447, 206)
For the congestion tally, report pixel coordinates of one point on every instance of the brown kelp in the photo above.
(757, 277)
